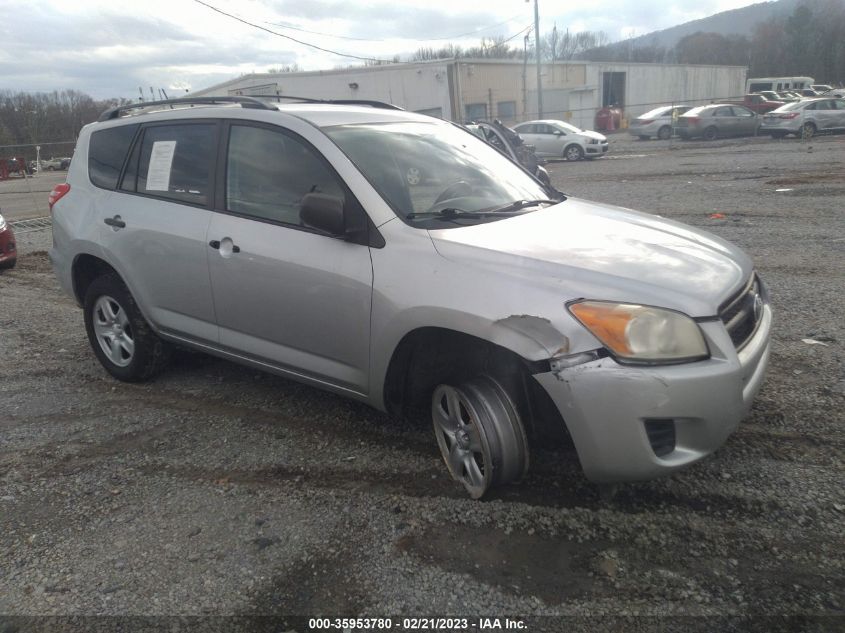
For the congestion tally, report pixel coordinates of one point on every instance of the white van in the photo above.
(778, 83)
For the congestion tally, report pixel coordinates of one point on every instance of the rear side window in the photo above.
(174, 162)
(106, 153)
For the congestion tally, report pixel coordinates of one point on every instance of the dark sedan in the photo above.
(718, 121)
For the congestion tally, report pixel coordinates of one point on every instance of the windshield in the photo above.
(567, 127)
(653, 114)
(423, 168)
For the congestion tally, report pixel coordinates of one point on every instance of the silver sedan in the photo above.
(805, 118)
(658, 122)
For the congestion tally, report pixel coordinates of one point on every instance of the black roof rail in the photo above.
(245, 102)
(364, 102)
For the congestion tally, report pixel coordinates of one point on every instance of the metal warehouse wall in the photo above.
(479, 89)
(411, 86)
(650, 85)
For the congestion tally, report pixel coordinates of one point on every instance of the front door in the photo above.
(284, 293)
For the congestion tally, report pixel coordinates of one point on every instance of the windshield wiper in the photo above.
(518, 205)
(447, 214)
(451, 212)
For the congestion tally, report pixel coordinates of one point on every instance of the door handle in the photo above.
(216, 244)
(115, 222)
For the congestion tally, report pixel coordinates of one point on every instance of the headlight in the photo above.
(594, 141)
(642, 333)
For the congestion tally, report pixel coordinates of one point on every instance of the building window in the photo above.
(476, 111)
(506, 109)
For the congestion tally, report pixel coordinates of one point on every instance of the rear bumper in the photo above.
(606, 406)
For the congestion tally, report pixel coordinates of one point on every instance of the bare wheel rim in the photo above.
(463, 445)
(113, 331)
(573, 152)
(809, 130)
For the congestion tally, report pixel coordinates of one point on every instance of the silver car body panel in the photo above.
(332, 313)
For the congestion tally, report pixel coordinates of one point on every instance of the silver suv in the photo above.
(287, 237)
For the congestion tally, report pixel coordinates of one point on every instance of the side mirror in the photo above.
(324, 212)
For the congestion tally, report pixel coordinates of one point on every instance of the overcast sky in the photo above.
(110, 48)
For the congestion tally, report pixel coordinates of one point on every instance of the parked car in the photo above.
(805, 118)
(8, 248)
(788, 96)
(285, 237)
(658, 122)
(51, 164)
(756, 103)
(771, 95)
(559, 139)
(511, 145)
(808, 92)
(717, 121)
(822, 89)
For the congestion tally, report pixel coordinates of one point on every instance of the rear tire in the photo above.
(480, 434)
(664, 133)
(808, 130)
(711, 134)
(121, 338)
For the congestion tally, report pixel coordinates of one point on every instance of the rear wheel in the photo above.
(121, 338)
(808, 130)
(664, 133)
(480, 434)
(711, 133)
(573, 152)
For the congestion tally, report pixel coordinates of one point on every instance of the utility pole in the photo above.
(537, 47)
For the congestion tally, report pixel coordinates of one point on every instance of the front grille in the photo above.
(661, 436)
(742, 312)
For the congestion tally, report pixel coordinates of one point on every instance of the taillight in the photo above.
(58, 192)
(788, 115)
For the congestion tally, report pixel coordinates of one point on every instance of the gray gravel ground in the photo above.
(220, 490)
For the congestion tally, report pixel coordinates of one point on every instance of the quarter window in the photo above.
(268, 173)
(106, 153)
(175, 162)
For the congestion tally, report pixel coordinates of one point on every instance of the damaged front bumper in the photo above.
(632, 423)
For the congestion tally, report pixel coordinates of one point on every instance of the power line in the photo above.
(365, 39)
(293, 39)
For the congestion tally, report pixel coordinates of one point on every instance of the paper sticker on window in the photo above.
(161, 160)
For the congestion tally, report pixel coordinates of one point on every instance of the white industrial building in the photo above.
(466, 89)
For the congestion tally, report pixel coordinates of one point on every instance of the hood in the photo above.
(602, 252)
(591, 134)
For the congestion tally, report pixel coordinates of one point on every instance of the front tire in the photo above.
(121, 338)
(573, 152)
(480, 434)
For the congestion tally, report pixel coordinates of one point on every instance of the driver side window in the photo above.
(268, 173)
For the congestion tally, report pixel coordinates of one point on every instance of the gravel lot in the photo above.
(220, 490)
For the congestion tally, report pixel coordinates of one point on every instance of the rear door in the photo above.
(154, 225)
(746, 120)
(284, 293)
(529, 134)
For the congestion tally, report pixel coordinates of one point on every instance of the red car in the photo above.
(8, 250)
